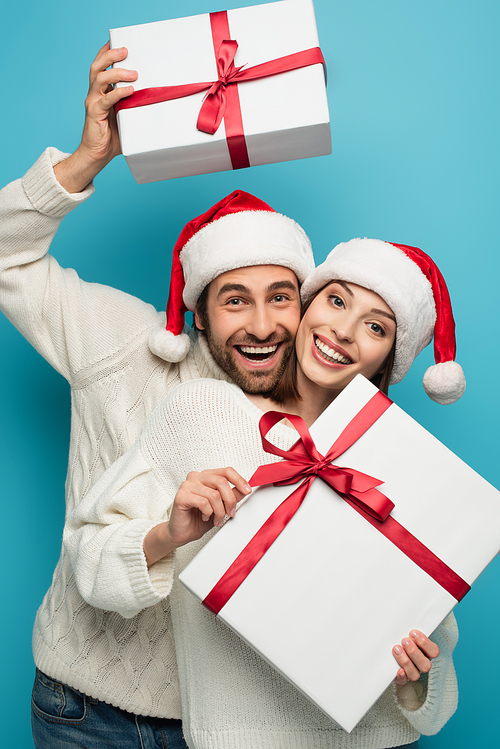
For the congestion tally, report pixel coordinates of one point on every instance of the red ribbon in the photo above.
(356, 488)
(222, 100)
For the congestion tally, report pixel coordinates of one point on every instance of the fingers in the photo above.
(414, 656)
(222, 496)
(240, 484)
(401, 678)
(428, 647)
(104, 59)
(107, 98)
(103, 78)
(209, 500)
(107, 78)
(211, 493)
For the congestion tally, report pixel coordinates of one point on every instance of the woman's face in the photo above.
(347, 330)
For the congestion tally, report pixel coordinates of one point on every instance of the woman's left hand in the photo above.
(414, 656)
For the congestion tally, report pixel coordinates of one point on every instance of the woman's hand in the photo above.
(414, 656)
(202, 502)
(100, 140)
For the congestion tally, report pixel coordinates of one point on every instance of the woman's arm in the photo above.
(104, 537)
(122, 536)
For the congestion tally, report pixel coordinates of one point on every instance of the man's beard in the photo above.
(257, 382)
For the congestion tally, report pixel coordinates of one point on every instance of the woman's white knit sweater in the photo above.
(231, 698)
(96, 337)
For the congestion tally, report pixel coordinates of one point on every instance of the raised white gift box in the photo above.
(284, 116)
(358, 593)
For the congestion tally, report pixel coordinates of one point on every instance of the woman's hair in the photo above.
(287, 391)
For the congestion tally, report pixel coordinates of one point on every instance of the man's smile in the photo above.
(257, 353)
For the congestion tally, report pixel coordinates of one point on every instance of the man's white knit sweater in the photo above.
(231, 698)
(96, 337)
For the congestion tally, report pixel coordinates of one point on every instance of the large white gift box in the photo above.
(359, 593)
(283, 116)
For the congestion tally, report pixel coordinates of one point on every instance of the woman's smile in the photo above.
(325, 350)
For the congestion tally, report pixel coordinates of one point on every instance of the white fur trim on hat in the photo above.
(240, 240)
(167, 346)
(386, 270)
(444, 383)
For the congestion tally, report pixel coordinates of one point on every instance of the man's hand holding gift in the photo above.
(100, 140)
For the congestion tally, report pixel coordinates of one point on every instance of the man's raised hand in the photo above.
(100, 141)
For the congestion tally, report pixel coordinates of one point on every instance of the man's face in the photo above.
(252, 318)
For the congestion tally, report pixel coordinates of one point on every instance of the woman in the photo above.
(370, 308)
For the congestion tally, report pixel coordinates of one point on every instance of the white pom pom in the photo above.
(167, 346)
(445, 382)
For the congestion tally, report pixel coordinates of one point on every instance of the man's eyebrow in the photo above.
(233, 287)
(285, 284)
(242, 289)
(385, 314)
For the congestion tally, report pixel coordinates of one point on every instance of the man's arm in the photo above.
(70, 323)
(100, 140)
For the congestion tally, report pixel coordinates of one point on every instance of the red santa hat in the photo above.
(238, 231)
(411, 284)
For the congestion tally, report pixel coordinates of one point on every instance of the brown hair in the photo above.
(201, 309)
(287, 391)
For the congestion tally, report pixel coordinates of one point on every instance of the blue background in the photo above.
(413, 92)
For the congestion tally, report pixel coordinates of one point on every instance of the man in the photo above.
(109, 347)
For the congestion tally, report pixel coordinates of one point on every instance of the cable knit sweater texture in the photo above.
(96, 337)
(230, 696)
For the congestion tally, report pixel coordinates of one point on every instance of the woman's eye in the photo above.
(336, 300)
(376, 328)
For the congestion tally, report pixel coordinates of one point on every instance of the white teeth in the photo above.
(258, 349)
(331, 353)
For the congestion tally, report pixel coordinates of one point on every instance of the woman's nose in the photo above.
(343, 329)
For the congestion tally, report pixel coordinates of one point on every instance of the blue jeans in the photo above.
(62, 718)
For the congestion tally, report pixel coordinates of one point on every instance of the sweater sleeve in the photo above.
(440, 690)
(71, 323)
(104, 536)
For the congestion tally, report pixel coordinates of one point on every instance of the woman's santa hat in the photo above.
(237, 232)
(411, 284)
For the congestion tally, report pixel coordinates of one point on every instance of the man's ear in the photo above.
(197, 320)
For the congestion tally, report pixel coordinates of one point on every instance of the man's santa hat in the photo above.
(237, 232)
(411, 284)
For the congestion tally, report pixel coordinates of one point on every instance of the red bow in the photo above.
(303, 460)
(214, 104)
